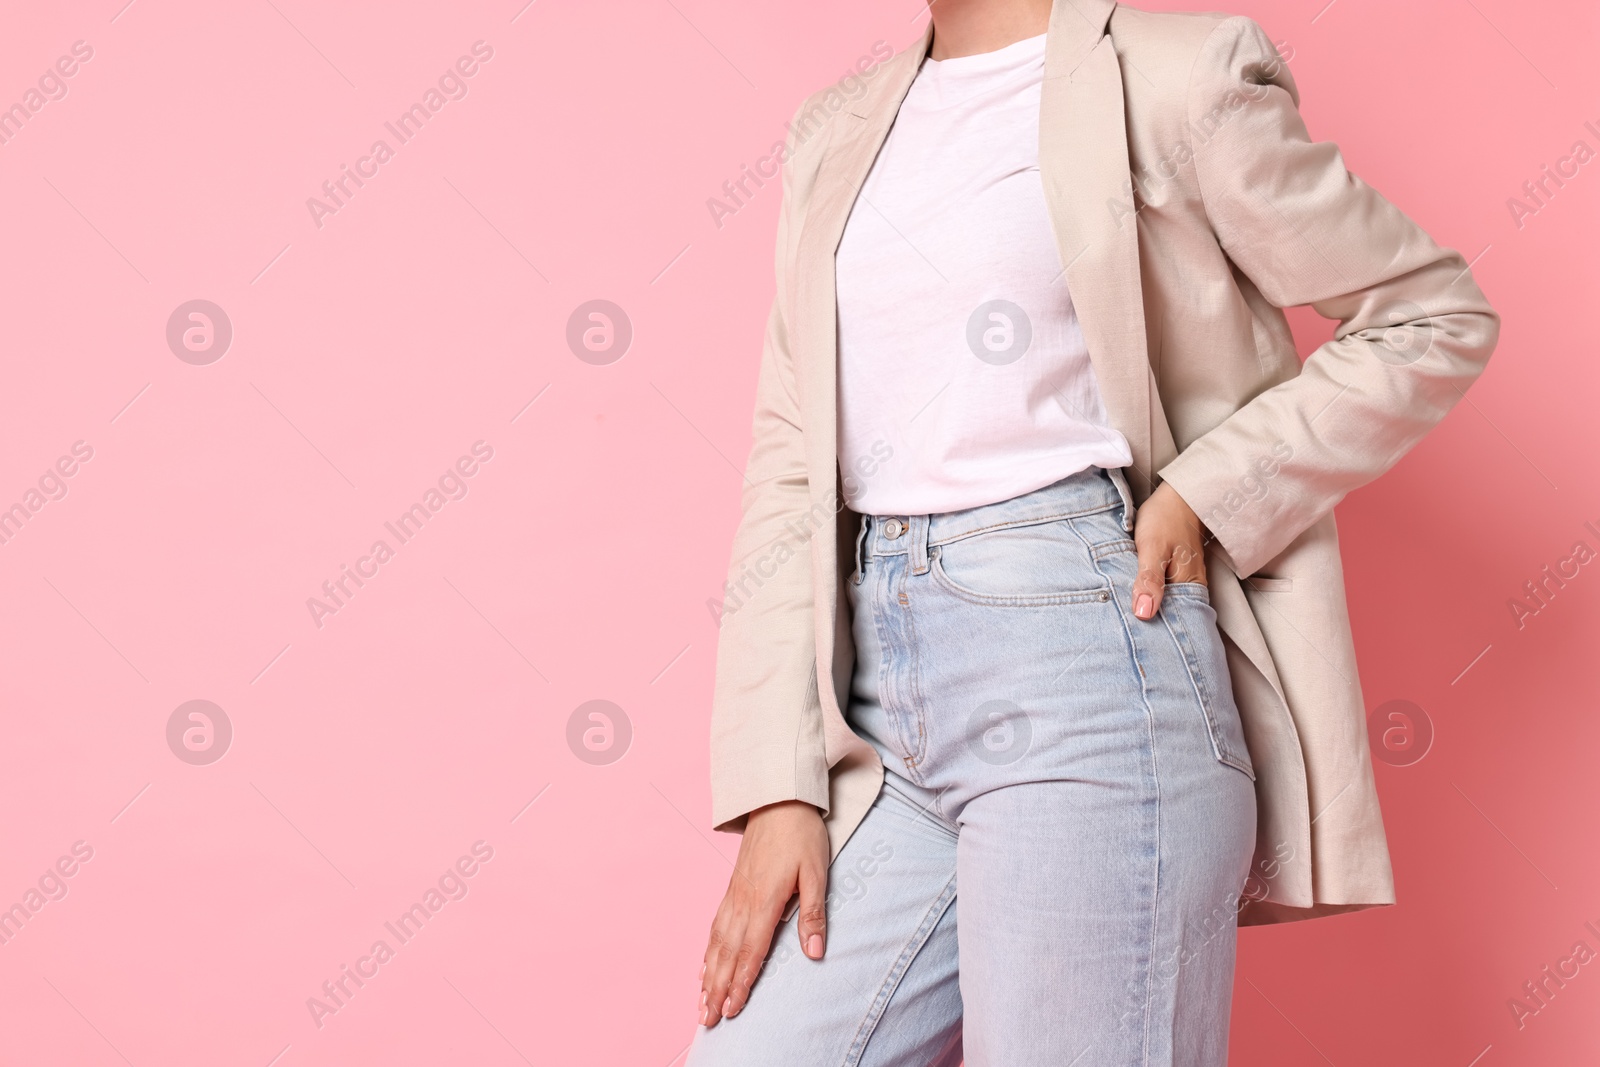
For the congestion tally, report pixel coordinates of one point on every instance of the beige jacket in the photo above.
(1189, 205)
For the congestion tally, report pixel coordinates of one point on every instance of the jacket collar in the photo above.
(1076, 26)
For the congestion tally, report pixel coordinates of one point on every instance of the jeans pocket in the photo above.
(1192, 622)
(1024, 565)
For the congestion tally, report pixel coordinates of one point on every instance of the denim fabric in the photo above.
(1072, 779)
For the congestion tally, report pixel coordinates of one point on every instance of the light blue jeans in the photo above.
(1074, 777)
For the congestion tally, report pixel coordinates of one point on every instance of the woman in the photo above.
(1036, 609)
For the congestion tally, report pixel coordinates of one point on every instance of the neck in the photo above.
(968, 27)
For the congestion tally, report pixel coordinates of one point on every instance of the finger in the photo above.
(1151, 580)
(752, 954)
(811, 921)
(721, 956)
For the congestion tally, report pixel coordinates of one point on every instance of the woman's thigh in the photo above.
(1099, 930)
(885, 993)
(1094, 764)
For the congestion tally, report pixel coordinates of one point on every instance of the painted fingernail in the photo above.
(727, 1008)
(814, 946)
(1144, 607)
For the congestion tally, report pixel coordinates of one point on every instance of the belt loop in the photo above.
(1120, 480)
(861, 535)
(917, 547)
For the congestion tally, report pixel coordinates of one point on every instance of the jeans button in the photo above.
(893, 529)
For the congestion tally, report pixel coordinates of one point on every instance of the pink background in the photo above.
(370, 353)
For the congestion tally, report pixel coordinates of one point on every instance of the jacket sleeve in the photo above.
(1414, 329)
(766, 719)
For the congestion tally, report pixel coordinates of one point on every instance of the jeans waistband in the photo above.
(1087, 492)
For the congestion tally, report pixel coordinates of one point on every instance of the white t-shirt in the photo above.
(963, 375)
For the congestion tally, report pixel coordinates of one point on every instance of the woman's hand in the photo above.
(1171, 543)
(785, 848)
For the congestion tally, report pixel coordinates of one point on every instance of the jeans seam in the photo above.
(891, 981)
(915, 694)
(1155, 780)
(1013, 600)
(1031, 521)
(889, 693)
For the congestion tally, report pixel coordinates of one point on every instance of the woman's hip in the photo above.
(1002, 649)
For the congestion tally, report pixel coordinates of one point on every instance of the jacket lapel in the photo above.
(857, 133)
(1083, 162)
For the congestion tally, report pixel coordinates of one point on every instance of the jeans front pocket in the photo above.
(1027, 565)
(1186, 609)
